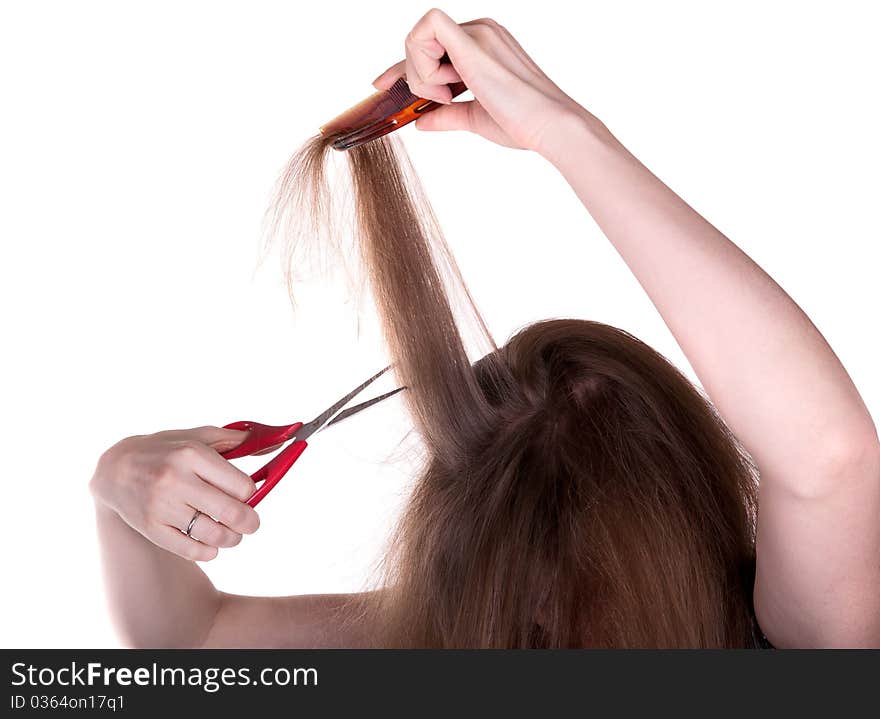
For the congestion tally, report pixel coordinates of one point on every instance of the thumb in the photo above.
(468, 115)
(218, 438)
(454, 116)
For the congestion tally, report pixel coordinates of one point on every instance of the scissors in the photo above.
(263, 436)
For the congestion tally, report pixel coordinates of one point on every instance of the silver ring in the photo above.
(192, 523)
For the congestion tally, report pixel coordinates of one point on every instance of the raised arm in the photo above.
(766, 367)
(776, 382)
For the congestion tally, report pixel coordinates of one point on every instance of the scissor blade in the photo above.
(346, 413)
(307, 430)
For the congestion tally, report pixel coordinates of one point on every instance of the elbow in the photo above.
(848, 621)
(860, 633)
(847, 639)
(855, 452)
(135, 637)
(132, 638)
(841, 461)
(133, 632)
(134, 641)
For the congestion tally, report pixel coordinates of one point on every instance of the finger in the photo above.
(267, 450)
(204, 529)
(434, 35)
(423, 63)
(445, 74)
(175, 541)
(390, 76)
(235, 514)
(468, 115)
(221, 473)
(218, 438)
(419, 62)
(454, 116)
(447, 34)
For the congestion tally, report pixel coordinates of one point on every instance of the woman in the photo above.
(771, 376)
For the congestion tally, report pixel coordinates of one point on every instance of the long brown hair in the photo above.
(577, 489)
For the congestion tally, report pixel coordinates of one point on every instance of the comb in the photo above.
(379, 114)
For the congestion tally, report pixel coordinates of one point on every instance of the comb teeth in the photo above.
(363, 135)
(383, 112)
(400, 94)
(381, 106)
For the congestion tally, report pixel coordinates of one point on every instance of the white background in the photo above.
(139, 145)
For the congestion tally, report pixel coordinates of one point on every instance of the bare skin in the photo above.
(767, 369)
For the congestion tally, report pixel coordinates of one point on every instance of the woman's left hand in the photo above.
(515, 103)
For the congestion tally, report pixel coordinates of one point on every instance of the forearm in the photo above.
(769, 372)
(156, 598)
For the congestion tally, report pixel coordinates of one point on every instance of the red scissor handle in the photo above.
(272, 472)
(260, 437)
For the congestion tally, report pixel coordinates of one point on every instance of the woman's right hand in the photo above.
(157, 482)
